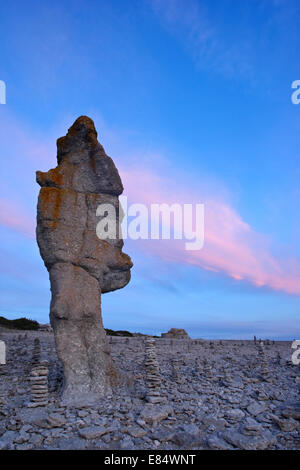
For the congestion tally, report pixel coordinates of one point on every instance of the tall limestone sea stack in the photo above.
(81, 266)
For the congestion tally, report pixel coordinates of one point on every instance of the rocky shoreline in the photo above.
(207, 395)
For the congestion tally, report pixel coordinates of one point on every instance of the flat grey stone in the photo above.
(56, 420)
(93, 432)
(216, 443)
(256, 408)
(155, 413)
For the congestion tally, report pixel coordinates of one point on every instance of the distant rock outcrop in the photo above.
(81, 266)
(176, 333)
(47, 328)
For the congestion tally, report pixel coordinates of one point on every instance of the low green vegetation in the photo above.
(19, 324)
(118, 332)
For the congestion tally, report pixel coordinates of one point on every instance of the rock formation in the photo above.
(81, 266)
(176, 333)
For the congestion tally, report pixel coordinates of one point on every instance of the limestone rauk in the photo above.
(81, 266)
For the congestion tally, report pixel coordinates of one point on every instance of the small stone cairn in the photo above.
(152, 373)
(264, 366)
(35, 358)
(2, 392)
(3, 372)
(175, 370)
(279, 360)
(199, 366)
(207, 369)
(39, 385)
(2, 398)
(36, 352)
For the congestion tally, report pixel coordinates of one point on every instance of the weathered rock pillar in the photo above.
(81, 266)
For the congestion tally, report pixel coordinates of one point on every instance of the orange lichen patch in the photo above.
(55, 176)
(126, 259)
(92, 163)
(75, 199)
(93, 196)
(49, 203)
(41, 177)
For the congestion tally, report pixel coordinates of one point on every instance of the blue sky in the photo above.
(192, 99)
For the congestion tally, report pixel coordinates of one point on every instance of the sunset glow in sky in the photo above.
(192, 100)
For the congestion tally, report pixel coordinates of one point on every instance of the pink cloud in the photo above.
(231, 246)
(14, 217)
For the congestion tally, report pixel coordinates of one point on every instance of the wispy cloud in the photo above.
(225, 38)
(232, 247)
(202, 36)
(13, 216)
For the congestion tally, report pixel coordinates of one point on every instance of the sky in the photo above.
(192, 100)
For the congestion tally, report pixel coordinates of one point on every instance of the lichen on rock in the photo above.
(81, 266)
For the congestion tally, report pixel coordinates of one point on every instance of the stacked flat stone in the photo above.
(2, 398)
(36, 352)
(227, 376)
(175, 369)
(279, 360)
(264, 366)
(207, 369)
(265, 372)
(199, 366)
(152, 372)
(39, 385)
(2, 392)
